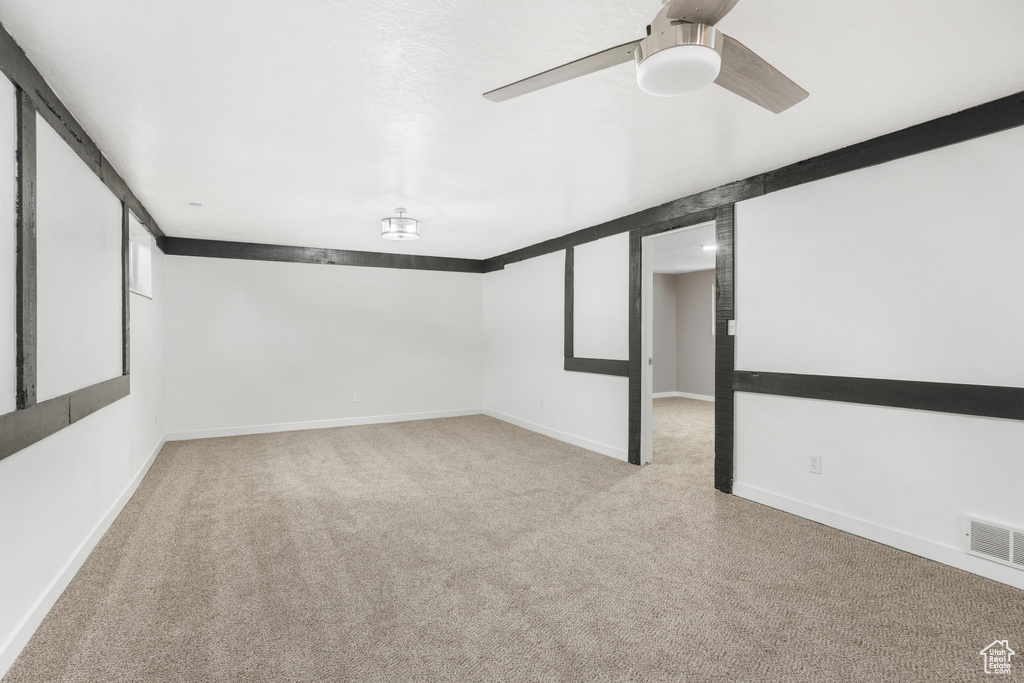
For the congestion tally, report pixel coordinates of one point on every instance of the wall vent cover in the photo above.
(995, 542)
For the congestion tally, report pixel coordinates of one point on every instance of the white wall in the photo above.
(8, 245)
(601, 299)
(909, 270)
(58, 496)
(79, 271)
(663, 375)
(252, 344)
(523, 332)
(695, 339)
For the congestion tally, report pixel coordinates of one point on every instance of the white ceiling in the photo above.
(305, 121)
(682, 251)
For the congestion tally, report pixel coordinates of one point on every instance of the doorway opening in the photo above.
(678, 340)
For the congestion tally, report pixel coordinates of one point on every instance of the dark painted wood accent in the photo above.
(88, 401)
(181, 246)
(597, 366)
(635, 345)
(668, 215)
(957, 399)
(991, 117)
(568, 335)
(22, 428)
(16, 65)
(724, 218)
(125, 296)
(25, 264)
(33, 421)
(725, 347)
(679, 223)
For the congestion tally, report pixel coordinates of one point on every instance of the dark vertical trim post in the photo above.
(16, 65)
(636, 269)
(596, 366)
(125, 303)
(725, 347)
(26, 253)
(570, 288)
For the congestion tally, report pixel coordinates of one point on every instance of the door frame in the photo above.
(647, 340)
(725, 341)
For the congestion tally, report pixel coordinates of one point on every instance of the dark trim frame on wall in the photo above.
(182, 246)
(992, 117)
(17, 67)
(597, 366)
(723, 218)
(32, 420)
(961, 399)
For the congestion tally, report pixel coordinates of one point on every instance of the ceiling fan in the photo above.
(683, 51)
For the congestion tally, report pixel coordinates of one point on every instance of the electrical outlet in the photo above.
(355, 398)
(815, 464)
(542, 403)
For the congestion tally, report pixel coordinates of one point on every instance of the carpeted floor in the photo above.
(467, 549)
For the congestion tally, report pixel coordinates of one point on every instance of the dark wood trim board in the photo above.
(636, 349)
(126, 245)
(984, 119)
(22, 428)
(32, 420)
(724, 343)
(569, 315)
(183, 246)
(958, 399)
(25, 264)
(597, 366)
(725, 348)
(17, 67)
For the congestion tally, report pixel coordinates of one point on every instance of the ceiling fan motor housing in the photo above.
(664, 70)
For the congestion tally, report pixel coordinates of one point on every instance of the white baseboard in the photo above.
(603, 449)
(933, 550)
(683, 394)
(317, 424)
(10, 650)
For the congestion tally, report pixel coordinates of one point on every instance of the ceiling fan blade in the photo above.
(581, 67)
(752, 78)
(708, 12)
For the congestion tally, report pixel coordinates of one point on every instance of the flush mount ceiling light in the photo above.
(678, 59)
(400, 227)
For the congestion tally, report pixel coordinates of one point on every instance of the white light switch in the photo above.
(732, 328)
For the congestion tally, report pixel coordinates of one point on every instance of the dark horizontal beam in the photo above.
(991, 117)
(22, 428)
(16, 65)
(598, 366)
(985, 119)
(669, 216)
(182, 246)
(959, 399)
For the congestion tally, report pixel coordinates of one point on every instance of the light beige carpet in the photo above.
(467, 549)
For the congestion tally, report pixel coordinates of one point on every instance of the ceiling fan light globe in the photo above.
(678, 70)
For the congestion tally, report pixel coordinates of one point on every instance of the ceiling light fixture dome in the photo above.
(678, 59)
(399, 227)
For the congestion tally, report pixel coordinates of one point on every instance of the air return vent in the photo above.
(994, 542)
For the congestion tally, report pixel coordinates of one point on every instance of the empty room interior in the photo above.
(473, 341)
